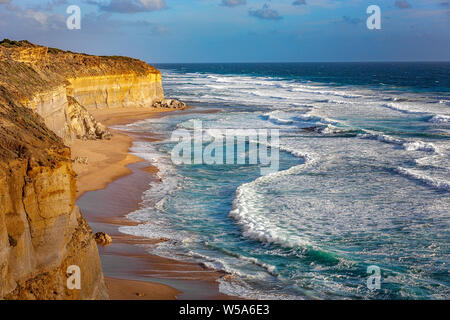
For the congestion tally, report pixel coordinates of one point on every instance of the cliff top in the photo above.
(71, 64)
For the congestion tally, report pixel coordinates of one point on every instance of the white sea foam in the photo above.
(268, 267)
(255, 90)
(416, 145)
(381, 137)
(419, 146)
(272, 117)
(230, 264)
(307, 117)
(234, 288)
(343, 102)
(257, 226)
(331, 129)
(420, 108)
(439, 184)
(149, 230)
(440, 119)
(298, 153)
(322, 125)
(307, 157)
(401, 108)
(314, 89)
(155, 196)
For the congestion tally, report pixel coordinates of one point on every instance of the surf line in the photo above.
(190, 148)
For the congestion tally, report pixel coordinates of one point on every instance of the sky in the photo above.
(184, 31)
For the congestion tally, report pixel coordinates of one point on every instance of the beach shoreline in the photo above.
(109, 186)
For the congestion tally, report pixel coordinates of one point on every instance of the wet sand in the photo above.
(120, 289)
(109, 187)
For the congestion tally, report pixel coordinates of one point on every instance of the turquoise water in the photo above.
(364, 179)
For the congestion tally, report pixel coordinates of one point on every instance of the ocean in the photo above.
(363, 180)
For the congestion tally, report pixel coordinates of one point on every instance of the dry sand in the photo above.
(108, 159)
(120, 289)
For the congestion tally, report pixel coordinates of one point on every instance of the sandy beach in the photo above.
(109, 187)
(108, 159)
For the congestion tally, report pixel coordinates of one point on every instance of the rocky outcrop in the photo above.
(170, 104)
(64, 86)
(81, 124)
(103, 239)
(45, 98)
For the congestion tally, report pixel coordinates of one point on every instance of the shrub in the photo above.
(10, 43)
(12, 241)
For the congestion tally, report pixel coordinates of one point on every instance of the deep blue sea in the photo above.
(364, 179)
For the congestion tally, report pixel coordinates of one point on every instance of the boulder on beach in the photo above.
(170, 104)
(103, 238)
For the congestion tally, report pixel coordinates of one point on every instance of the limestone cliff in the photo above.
(45, 98)
(117, 91)
(41, 230)
(49, 80)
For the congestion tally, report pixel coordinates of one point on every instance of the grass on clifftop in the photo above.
(12, 43)
(68, 64)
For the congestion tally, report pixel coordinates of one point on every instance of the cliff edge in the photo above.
(62, 86)
(45, 98)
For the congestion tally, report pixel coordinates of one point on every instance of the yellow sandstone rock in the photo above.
(45, 98)
(103, 238)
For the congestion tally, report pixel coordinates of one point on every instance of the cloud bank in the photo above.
(233, 3)
(299, 2)
(402, 4)
(130, 6)
(265, 13)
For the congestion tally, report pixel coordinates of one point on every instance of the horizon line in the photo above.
(279, 62)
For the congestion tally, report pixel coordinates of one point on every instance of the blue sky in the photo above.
(237, 30)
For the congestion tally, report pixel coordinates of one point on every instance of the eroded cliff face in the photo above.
(117, 91)
(41, 230)
(81, 124)
(45, 97)
(42, 233)
(52, 106)
(59, 77)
